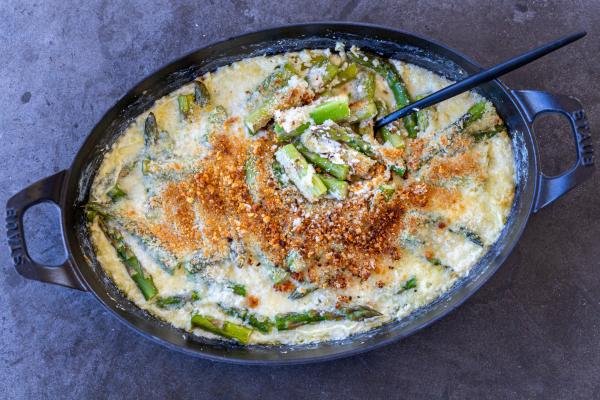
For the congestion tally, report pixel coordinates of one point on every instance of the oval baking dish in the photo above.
(70, 189)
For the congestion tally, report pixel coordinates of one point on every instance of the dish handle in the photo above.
(45, 190)
(534, 103)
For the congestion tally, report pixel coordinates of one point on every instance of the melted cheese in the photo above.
(479, 202)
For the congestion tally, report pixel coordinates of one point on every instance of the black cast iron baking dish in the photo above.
(69, 189)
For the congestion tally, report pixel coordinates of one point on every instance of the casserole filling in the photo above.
(257, 204)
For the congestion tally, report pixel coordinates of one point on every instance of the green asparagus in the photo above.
(363, 107)
(359, 313)
(293, 320)
(277, 274)
(217, 116)
(302, 291)
(470, 235)
(201, 94)
(283, 136)
(151, 133)
(325, 69)
(347, 73)
(474, 113)
(300, 172)
(398, 170)
(340, 171)
(387, 191)
(169, 302)
(441, 142)
(185, 102)
(262, 324)
(395, 83)
(222, 328)
(289, 321)
(115, 193)
(238, 289)
(487, 134)
(157, 143)
(422, 116)
(363, 110)
(387, 135)
(345, 135)
(268, 89)
(333, 110)
(409, 284)
(176, 301)
(142, 280)
(338, 189)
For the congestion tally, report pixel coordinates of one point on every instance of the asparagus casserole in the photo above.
(258, 205)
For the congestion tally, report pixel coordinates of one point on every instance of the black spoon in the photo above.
(479, 78)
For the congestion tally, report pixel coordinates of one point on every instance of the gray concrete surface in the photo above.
(532, 332)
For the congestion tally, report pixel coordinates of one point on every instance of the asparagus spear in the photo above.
(387, 135)
(398, 170)
(363, 107)
(177, 301)
(409, 284)
(289, 321)
(222, 328)
(142, 280)
(474, 113)
(169, 302)
(238, 289)
(321, 142)
(322, 72)
(301, 173)
(333, 110)
(442, 140)
(92, 210)
(115, 193)
(276, 80)
(394, 81)
(487, 134)
(393, 138)
(345, 135)
(293, 320)
(347, 73)
(185, 102)
(164, 258)
(262, 324)
(283, 136)
(302, 291)
(201, 97)
(359, 313)
(157, 143)
(387, 191)
(362, 110)
(338, 189)
(422, 116)
(472, 236)
(151, 132)
(340, 171)
(269, 89)
(201, 94)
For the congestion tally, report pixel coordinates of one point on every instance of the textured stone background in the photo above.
(533, 331)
